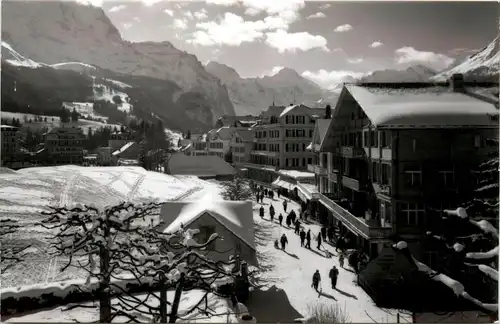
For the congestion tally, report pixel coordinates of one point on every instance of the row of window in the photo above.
(295, 147)
(238, 149)
(300, 120)
(66, 149)
(216, 145)
(288, 133)
(414, 178)
(65, 142)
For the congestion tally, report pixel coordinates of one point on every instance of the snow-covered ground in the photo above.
(85, 109)
(292, 271)
(27, 192)
(53, 121)
(104, 92)
(189, 299)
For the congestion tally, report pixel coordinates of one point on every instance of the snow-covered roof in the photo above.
(223, 133)
(7, 127)
(123, 148)
(428, 107)
(245, 134)
(235, 216)
(287, 110)
(297, 175)
(207, 165)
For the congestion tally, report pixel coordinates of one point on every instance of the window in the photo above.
(303, 161)
(287, 162)
(477, 141)
(447, 178)
(412, 214)
(413, 178)
(385, 139)
(374, 171)
(414, 145)
(365, 139)
(309, 160)
(374, 139)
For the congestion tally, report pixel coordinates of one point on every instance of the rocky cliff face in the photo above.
(59, 32)
(253, 95)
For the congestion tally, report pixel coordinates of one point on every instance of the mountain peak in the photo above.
(222, 71)
(286, 72)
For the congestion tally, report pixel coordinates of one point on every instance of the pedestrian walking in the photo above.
(308, 239)
(341, 260)
(316, 280)
(297, 227)
(280, 219)
(284, 242)
(271, 211)
(330, 233)
(288, 220)
(284, 205)
(323, 233)
(319, 241)
(261, 211)
(302, 237)
(334, 273)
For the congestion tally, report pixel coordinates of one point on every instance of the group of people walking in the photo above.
(333, 274)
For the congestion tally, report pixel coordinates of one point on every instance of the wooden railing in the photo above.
(355, 224)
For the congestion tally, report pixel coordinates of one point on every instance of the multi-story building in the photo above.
(64, 145)
(199, 145)
(236, 121)
(118, 139)
(11, 138)
(241, 145)
(104, 156)
(395, 155)
(218, 141)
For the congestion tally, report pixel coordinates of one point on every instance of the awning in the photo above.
(283, 184)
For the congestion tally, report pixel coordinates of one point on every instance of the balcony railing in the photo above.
(352, 152)
(351, 183)
(355, 224)
(381, 189)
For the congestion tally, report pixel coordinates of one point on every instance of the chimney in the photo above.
(457, 83)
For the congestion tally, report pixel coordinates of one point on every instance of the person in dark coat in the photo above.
(284, 205)
(319, 241)
(261, 197)
(283, 241)
(297, 227)
(316, 280)
(334, 273)
(265, 191)
(271, 211)
(280, 218)
(340, 244)
(293, 216)
(323, 233)
(288, 220)
(261, 211)
(257, 197)
(331, 233)
(341, 260)
(308, 239)
(302, 237)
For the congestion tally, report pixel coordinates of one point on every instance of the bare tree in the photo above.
(10, 255)
(85, 232)
(124, 241)
(238, 189)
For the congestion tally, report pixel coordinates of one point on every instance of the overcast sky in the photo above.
(321, 40)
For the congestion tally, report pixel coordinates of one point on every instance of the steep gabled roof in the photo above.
(124, 148)
(426, 106)
(235, 216)
(201, 166)
(245, 134)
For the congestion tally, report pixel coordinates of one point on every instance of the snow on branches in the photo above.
(472, 235)
(237, 190)
(125, 241)
(10, 255)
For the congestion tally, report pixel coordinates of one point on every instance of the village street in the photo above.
(292, 271)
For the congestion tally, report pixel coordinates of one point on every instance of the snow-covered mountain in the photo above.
(416, 73)
(63, 32)
(253, 95)
(482, 66)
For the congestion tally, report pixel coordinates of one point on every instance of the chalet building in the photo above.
(199, 146)
(118, 140)
(280, 141)
(241, 145)
(104, 156)
(218, 141)
(231, 220)
(64, 145)
(395, 155)
(11, 143)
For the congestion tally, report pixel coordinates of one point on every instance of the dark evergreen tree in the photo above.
(74, 115)
(188, 135)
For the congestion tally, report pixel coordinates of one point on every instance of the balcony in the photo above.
(311, 168)
(319, 170)
(381, 189)
(352, 152)
(333, 176)
(356, 225)
(353, 184)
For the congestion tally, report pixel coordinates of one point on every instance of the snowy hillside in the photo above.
(72, 32)
(253, 95)
(75, 66)
(14, 58)
(416, 73)
(482, 66)
(27, 192)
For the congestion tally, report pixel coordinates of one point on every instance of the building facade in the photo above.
(104, 156)
(11, 143)
(199, 146)
(241, 145)
(391, 170)
(64, 145)
(218, 141)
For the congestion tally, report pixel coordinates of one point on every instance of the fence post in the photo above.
(397, 318)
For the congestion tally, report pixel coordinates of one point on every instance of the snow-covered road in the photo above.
(292, 271)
